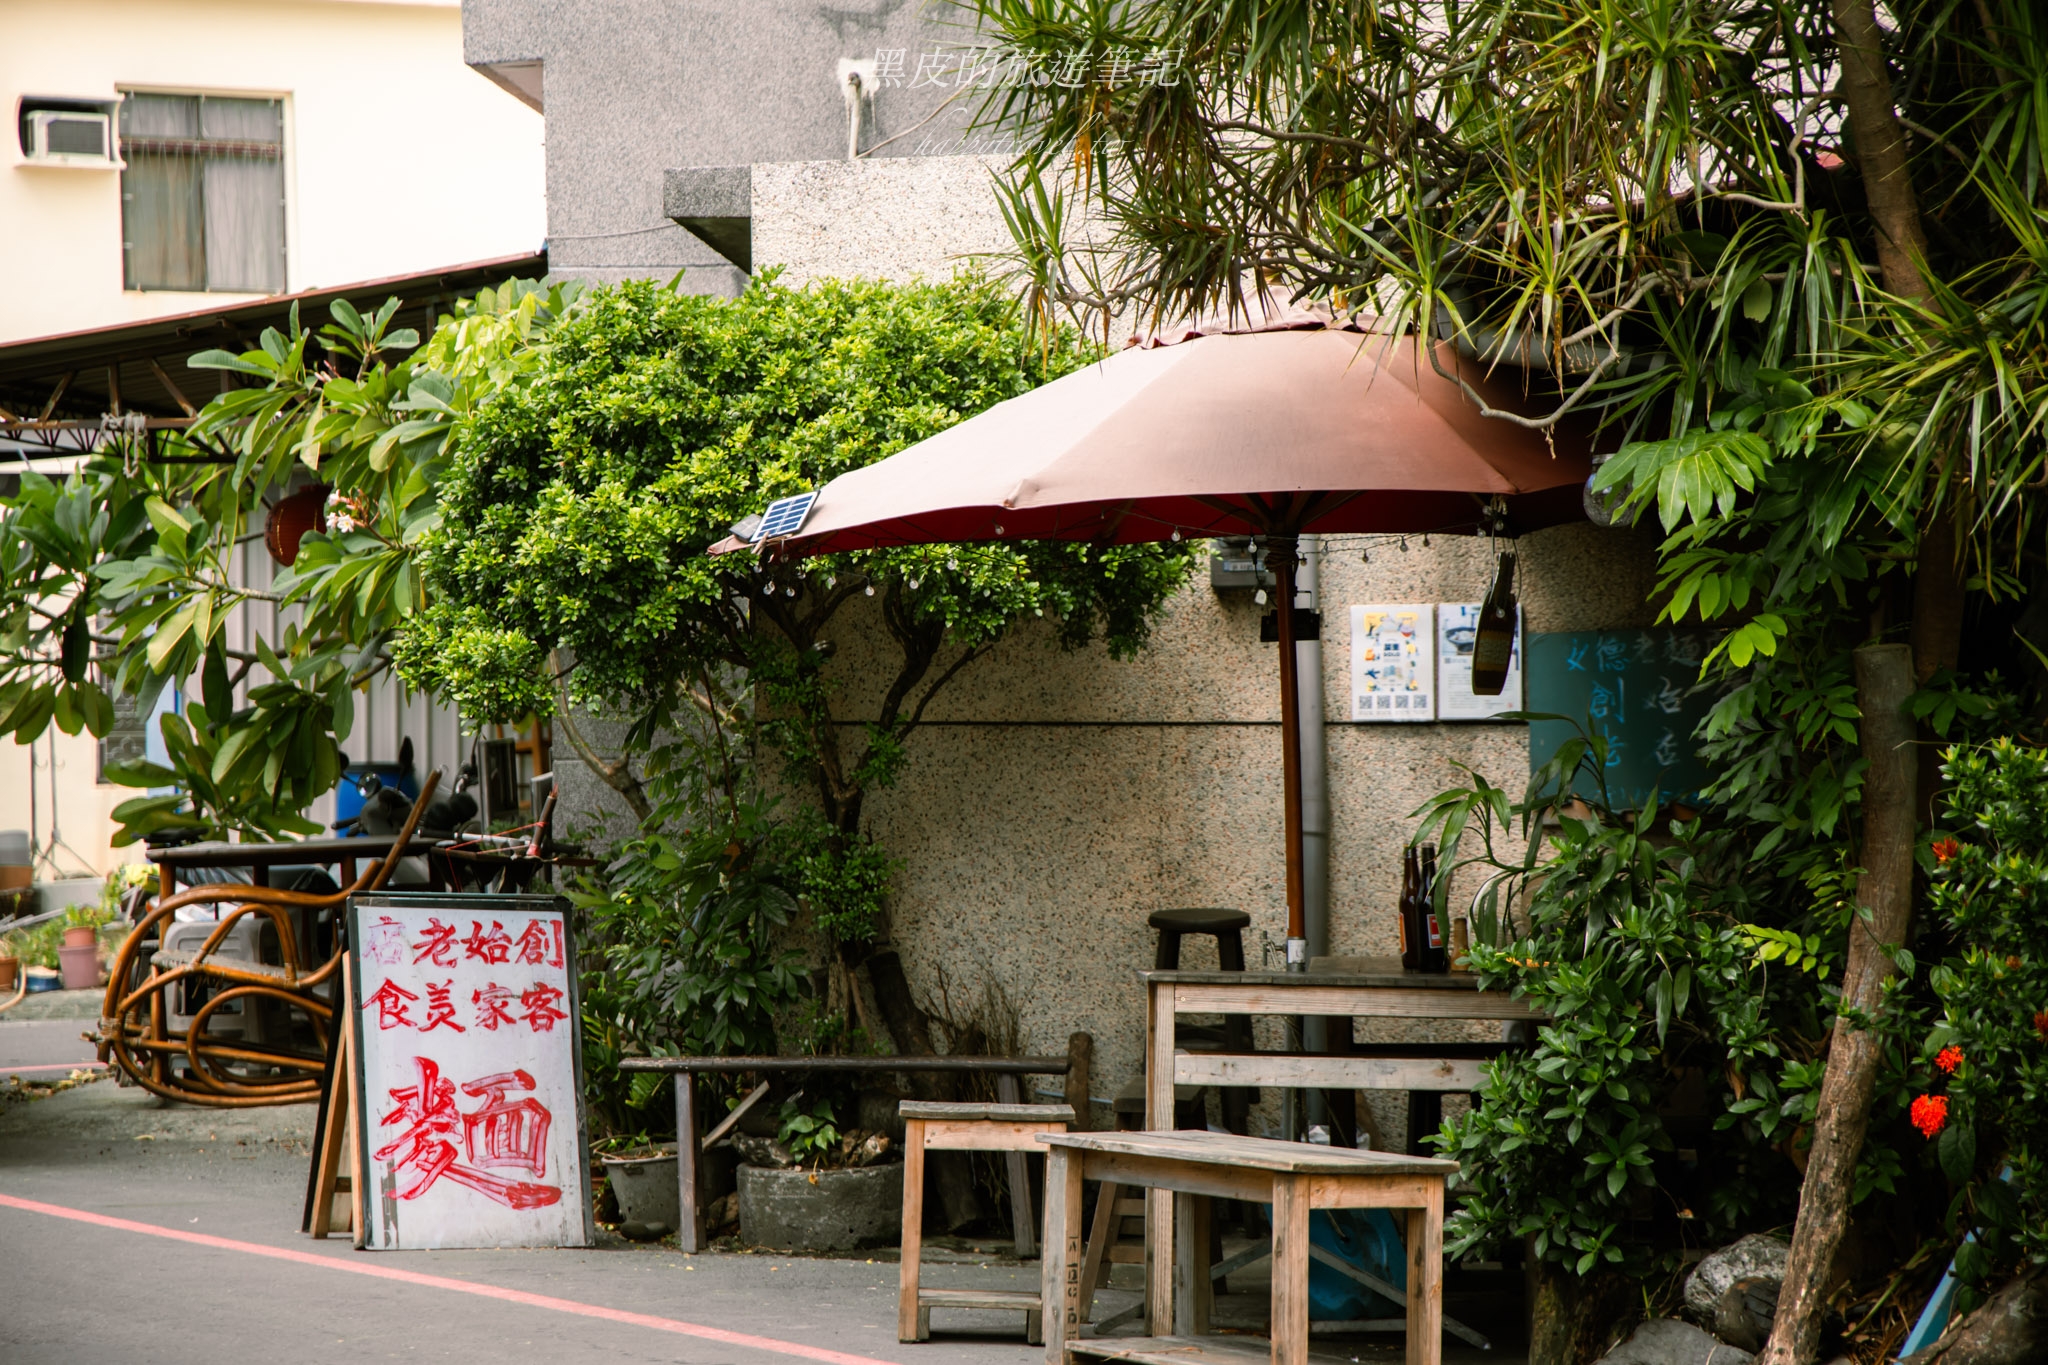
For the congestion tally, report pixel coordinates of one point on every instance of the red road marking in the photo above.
(53, 1066)
(487, 1291)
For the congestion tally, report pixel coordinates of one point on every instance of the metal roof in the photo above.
(139, 368)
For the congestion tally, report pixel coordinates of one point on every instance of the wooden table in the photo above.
(1294, 1177)
(260, 858)
(1346, 987)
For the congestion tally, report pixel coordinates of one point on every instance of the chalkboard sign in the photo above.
(1636, 688)
(468, 1072)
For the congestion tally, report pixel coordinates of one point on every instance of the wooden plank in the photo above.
(690, 1236)
(991, 1066)
(1329, 1073)
(1101, 1240)
(731, 1120)
(1173, 1350)
(334, 1113)
(1265, 1154)
(908, 1321)
(1023, 1223)
(1290, 1270)
(1007, 1299)
(971, 1136)
(1426, 1282)
(1159, 1049)
(1192, 1291)
(1378, 1192)
(1061, 1291)
(1158, 1173)
(1040, 1114)
(1462, 982)
(1317, 995)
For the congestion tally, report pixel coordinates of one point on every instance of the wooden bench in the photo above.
(1193, 1167)
(1012, 1128)
(1006, 1070)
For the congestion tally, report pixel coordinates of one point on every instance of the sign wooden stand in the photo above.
(340, 1120)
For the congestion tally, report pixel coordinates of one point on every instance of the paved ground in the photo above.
(40, 1037)
(136, 1232)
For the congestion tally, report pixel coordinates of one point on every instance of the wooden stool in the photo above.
(1112, 1241)
(965, 1128)
(1227, 928)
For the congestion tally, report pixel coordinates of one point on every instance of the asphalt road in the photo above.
(132, 1231)
(119, 1289)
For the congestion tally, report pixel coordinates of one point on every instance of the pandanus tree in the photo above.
(1789, 252)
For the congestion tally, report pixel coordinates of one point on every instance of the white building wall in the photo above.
(398, 157)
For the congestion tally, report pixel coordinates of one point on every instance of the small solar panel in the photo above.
(784, 517)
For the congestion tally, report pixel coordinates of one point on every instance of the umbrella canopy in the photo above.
(1280, 425)
(1266, 432)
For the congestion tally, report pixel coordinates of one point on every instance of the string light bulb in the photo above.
(871, 590)
(1176, 535)
(1260, 597)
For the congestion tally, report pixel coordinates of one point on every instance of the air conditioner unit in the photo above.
(70, 137)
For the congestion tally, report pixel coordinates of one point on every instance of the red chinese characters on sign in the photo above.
(491, 1011)
(437, 944)
(539, 1004)
(390, 1000)
(499, 1133)
(540, 945)
(494, 946)
(440, 1007)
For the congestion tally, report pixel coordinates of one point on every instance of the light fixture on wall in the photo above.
(857, 84)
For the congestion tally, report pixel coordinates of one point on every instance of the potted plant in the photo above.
(816, 1188)
(79, 957)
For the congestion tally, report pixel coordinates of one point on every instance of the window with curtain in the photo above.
(202, 198)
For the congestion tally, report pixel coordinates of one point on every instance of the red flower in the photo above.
(1929, 1113)
(2041, 1025)
(1944, 849)
(1949, 1058)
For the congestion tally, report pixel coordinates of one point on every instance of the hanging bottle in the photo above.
(1493, 648)
(1411, 882)
(1435, 953)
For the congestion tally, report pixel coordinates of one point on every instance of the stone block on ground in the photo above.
(1755, 1257)
(1667, 1341)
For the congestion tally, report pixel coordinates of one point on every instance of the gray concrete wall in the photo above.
(634, 88)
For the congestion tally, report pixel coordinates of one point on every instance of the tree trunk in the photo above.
(1938, 603)
(1884, 898)
(1572, 1320)
(1866, 88)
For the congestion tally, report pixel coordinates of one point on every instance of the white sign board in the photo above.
(1393, 662)
(463, 1021)
(1457, 626)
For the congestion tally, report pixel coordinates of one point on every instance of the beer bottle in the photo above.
(1435, 953)
(1411, 882)
(1493, 648)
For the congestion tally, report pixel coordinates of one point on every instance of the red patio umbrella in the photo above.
(1283, 425)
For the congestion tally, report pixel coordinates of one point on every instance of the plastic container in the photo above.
(80, 966)
(42, 979)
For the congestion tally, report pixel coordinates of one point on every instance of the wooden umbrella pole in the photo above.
(1283, 558)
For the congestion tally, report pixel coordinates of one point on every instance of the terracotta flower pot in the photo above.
(80, 967)
(9, 966)
(81, 936)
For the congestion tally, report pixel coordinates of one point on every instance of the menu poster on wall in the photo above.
(1457, 627)
(1393, 662)
(463, 1022)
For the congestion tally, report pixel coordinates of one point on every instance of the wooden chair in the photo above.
(964, 1128)
(138, 1035)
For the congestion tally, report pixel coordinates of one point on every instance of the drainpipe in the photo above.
(1315, 800)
